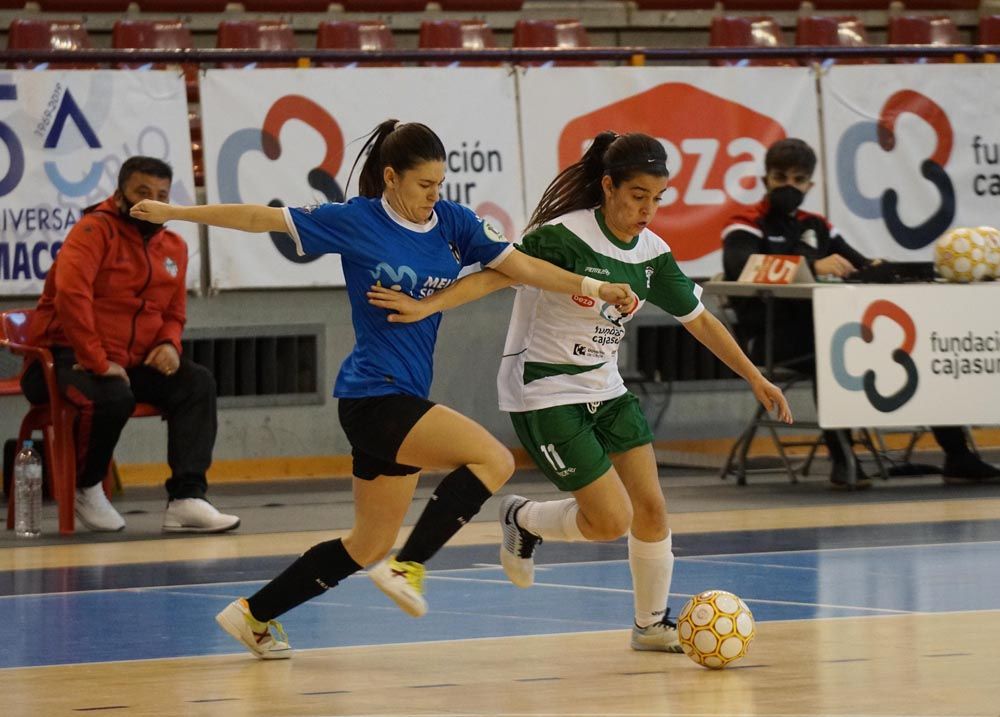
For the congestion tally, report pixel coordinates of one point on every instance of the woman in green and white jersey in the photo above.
(559, 377)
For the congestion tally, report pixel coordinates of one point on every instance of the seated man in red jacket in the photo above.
(112, 313)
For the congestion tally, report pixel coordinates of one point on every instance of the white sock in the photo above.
(652, 567)
(552, 520)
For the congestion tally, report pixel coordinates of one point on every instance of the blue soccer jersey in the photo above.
(378, 246)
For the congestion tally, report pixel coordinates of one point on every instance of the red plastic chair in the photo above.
(384, 5)
(841, 5)
(457, 34)
(481, 5)
(367, 35)
(54, 419)
(182, 5)
(833, 31)
(257, 35)
(923, 30)
(989, 34)
(552, 33)
(765, 5)
(732, 31)
(941, 5)
(675, 4)
(49, 35)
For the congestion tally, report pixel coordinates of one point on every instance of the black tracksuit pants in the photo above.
(104, 405)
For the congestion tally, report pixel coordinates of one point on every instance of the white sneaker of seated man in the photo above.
(196, 515)
(94, 510)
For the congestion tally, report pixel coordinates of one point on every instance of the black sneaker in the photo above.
(517, 551)
(968, 468)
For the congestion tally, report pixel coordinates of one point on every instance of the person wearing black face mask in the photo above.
(777, 226)
(112, 312)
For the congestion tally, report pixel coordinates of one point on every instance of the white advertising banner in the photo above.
(289, 138)
(64, 136)
(715, 123)
(907, 355)
(912, 151)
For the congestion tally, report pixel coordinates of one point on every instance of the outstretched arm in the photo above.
(468, 288)
(245, 217)
(710, 332)
(525, 269)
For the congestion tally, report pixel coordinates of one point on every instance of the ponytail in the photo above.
(401, 146)
(579, 185)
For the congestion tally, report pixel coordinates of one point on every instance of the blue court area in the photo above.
(133, 612)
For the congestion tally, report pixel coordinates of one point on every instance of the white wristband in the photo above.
(589, 286)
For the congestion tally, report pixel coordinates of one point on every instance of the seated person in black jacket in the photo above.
(777, 226)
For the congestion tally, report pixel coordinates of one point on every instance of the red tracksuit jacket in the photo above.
(110, 295)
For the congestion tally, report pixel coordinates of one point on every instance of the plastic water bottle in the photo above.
(28, 492)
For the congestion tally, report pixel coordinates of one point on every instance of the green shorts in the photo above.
(571, 444)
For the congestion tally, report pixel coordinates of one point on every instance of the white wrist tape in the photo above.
(590, 286)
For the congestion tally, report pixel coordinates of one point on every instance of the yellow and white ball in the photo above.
(961, 256)
(992, 236)
(715, 628)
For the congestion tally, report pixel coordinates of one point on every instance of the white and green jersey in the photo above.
(563, 349)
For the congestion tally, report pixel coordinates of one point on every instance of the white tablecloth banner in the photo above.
(916, 355)
(64, 136)
(715, 123)
(289, 137)
(912, 151)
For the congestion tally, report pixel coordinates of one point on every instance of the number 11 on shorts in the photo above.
(552, 457)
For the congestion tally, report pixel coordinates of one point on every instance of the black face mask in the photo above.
(146, 229)
(786, 198)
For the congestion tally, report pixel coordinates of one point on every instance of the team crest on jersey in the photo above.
(649, 275)
(455, 252)
(492, 233)
(171, 266)
(310, 208)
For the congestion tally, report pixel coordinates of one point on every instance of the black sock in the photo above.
(315, 571)
(952, 441)
(457, 498)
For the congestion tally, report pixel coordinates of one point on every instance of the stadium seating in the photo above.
(285, 5)
(367, 35)
(761, 5)
(922, 30)
(49, 35)
(256, 35)
(760, 31)
(833, 31)
(157, 35)
(551, 33)
(941, 5)
(83, 5)
(456, 34)
(675, 4)
(481, 5)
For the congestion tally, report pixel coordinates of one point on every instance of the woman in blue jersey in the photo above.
(559, 374)
(398, 233)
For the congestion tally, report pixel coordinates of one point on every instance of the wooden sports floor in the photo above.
(864, 606)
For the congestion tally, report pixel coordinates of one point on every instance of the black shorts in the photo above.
(376, 428)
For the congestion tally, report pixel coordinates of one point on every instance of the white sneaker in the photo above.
(403, 582)
(255, 635)
(661, 636)
(94, 510)
(196, 515)
(517, 550)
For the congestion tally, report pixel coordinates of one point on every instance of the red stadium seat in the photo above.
(384, 5)
(457, 34)
(12, 4)
(182, 5)
(481, 5)
(941, 5)
(83, 5)
(989, 34)
(732, 31)
(286, 5)
(551, 33)
(49, 35)
(923, 30)
(157, 35)
(851, 5)
(675, 4)
(368, 35)
(833, 31)
(256, 35)
(761, 5)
